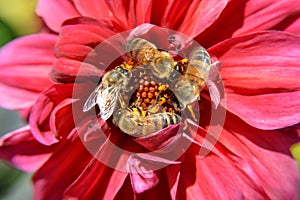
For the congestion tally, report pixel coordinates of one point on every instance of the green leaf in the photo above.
(6, 33)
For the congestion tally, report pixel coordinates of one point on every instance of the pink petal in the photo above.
(61, 170)
(63, 10)
(142, 174)
(260, 77)
(30, 67)
(15, 98)
(22, 150)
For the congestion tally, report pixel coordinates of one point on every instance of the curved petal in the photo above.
(78, 49)
(22, 150)
(27, 73)
(260, 74)
(61, 170)
(63, 10)
(48, 102)
(142, 175)
(244, 16)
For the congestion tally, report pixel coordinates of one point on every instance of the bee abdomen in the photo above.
(200, 55)
(138, 48)
(199, 66)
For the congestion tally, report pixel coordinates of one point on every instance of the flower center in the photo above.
(149, 94)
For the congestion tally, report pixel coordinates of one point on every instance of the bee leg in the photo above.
(189, 107)
(122, 102)
(156, 106)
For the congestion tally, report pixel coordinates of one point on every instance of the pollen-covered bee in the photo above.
(133, 122)
(107, 93)
(199, 73)
(146, 53)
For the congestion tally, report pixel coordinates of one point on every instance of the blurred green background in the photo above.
(17, 18)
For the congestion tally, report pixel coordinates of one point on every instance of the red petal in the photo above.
(163, 140)
(129, 14)
(63, 10)
(266, 14)
(68, 71)
(79, 51)
(120, 9)
(257, 160)
(97, 9)
(262, 159)
(189, 17)
(260, 77)
(200, 15)
(61, 170)
(96, 182)
(293, 25)
(244, 17)
(30, 68)
(22, 150)
(173, 174)
(208, 178)
(48, 102)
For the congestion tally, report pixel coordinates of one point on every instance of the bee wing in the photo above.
(214, 71)
(214, 93)
(92, 99)
(107, 101)
(213, 78)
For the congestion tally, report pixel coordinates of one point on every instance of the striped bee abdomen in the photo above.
(199, 66)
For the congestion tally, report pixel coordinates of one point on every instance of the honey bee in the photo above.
(107, 94)
(146, 53)
(134, 123)
(199, 73)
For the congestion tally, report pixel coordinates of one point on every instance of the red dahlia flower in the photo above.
(258, 45)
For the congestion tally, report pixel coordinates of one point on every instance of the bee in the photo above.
(199, 73)
(132, 121)
(107, 94)
(161, 63)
